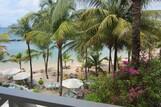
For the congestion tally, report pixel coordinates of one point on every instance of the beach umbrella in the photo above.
(10, 71)
(21, 76)
(72, 83)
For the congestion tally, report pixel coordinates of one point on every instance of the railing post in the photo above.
(11, 103)
(2, 100)
(20, 104)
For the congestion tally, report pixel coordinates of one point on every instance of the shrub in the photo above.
(141, 88)
(41, 82)
(92, 97)
(36, 90)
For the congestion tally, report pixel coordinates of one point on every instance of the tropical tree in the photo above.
(18, 58)
(136, 16)
(3, 51)
(43, 42)
(96, 61)
(122, 10)
(136, 29)
(66, 58)
(22, 28)
(58, 16)
(108, 31)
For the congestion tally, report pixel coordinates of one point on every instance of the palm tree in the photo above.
(136, 28)
(18, 58)
(60, 37)
(59, 14)
(116, 27)
(96, 61)
(43, 42)
(22, 28)
(136, 16)
(66, 58)
(109, 27)
(3, 51)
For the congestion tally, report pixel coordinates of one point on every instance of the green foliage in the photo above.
(41, 82)
(4, 38)
(66, 57)
(36, 90)
(92, 97)
(141, 90)
(152, 82)
(108, 24)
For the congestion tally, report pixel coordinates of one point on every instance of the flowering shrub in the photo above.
(129, 69)
(134, 93)
(125, 62)
(133, 71)
(141, 88)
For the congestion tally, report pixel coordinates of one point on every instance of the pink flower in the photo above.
(133, 71)
(134, 93)
(125, 62)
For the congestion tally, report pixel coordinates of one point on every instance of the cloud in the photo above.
(28, 4)
(156, 5)
(12, 10)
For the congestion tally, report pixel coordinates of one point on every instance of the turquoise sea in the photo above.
(16, 47)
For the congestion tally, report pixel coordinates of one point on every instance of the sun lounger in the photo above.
(53, 85)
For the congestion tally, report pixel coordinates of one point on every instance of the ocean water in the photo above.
(16, 47)
(20, 47)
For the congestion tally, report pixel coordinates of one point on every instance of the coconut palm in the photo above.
(96, 61)
(136, 29)
(18, 58)
(116, 27)
(136, 15)
(109, 26)
(22, 28)
(59, 15)
(122, 9)
(43, 42)
(66, 58)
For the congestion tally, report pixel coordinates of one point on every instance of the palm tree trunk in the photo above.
(136, 15)
(86, 77)
(61, 71)
(58, 66)
(20, 64)
(65, 65)
(46, 63)
(115, 57)
(88, 70)
(96, 69)
(110, 58)
(129, 55)
(30, 58)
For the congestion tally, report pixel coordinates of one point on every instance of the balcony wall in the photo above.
(17, 98)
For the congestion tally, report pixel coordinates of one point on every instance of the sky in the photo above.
(12, 10)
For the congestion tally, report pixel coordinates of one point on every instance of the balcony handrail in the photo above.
(46, 100)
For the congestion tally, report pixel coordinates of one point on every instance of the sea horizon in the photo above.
(20, 46)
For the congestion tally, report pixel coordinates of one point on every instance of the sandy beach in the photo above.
(38, 69)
